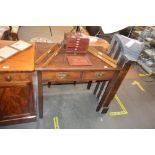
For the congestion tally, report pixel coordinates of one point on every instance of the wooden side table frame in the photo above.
(114, 76)
(59, 66)
(107, 84)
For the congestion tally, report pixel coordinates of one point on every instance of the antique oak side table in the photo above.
(59, 71)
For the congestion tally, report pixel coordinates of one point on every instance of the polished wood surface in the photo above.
(10, 77)
(22, 61)
(58, 70)
(98, 75)
(40, 93)
(60, 76)
(105, 58)
(60, 63)
(45, 54)
(17, 103)
(100, 43)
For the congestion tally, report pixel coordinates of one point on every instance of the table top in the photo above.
(100, 43)
(22, 61)
(60, 62)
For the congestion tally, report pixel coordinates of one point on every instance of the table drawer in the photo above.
(15, 77)
(60, 76)
(98, 75)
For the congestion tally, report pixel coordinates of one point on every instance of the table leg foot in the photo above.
(89, 84)
(74, 83)
(105, 109)
(49, 84)
(40, 116)
(98, 108)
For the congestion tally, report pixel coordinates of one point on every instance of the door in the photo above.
(16, 102)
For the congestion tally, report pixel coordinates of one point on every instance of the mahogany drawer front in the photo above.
(60, 76)
(98, 75)
(15, 77)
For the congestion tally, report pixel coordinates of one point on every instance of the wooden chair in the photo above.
(5, 32)
(14, 32)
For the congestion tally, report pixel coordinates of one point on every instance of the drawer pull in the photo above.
(8, 78)
(61, 75)
(99, 74)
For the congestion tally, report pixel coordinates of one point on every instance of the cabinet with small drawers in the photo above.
(16, 98)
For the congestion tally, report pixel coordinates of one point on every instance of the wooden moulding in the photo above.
(43, 56)
(103, 57)
(55, 53)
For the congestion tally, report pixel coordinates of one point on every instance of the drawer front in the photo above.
(60, 76)
(98, 75)
(15, 77)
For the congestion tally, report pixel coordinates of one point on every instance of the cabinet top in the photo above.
(22, 61)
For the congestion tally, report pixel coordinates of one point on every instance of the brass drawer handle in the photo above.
(61, 75)
(8, 78)
(99, 74)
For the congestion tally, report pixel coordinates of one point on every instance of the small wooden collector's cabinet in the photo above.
(16, 98)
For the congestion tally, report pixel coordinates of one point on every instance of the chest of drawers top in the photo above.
(22, 61)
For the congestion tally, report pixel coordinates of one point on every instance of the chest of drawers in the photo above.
(17, 102)
(16, 98)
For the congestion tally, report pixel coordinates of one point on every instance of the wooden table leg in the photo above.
(101, 89)
(112, 88)
(89, 84)
(74, 83)
(40, 94)
(96, 88)
(49, 84)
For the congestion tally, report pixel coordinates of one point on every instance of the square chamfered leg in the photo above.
(104, 110)
(89, 84)
(40, 94)
(113, 85)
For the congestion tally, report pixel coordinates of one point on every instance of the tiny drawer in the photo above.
(98, 75)
(60, 76)
(15, 77)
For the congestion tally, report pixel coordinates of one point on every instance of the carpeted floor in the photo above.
(50, 33)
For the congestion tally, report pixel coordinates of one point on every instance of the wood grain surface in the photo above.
(60, 62)
(22, 61)
(16, 103)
